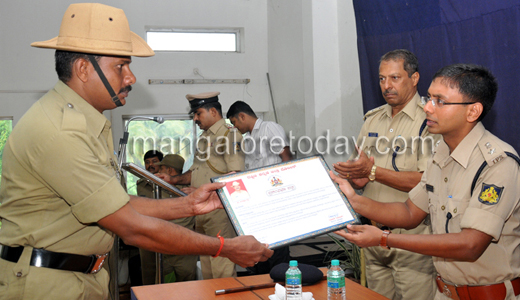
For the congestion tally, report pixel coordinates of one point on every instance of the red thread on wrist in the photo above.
(221, 245)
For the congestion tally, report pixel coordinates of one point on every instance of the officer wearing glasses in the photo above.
(470, 189)
(388, 166)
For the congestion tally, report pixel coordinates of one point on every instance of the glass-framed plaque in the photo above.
(284, 203)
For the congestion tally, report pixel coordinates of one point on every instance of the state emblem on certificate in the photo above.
(275, 181)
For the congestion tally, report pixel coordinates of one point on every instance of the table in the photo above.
(205, 289)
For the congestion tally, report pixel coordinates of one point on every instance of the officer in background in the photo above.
(175, 267)
(218, 153)
(265, 143)
(143, 186)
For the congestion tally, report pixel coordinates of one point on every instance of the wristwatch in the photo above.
(372, 175)
(384, 239)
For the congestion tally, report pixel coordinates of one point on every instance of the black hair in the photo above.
(153, 153)
(410, 62)
(215, 105)
(64, 61)
(240, 107)
(474, 82)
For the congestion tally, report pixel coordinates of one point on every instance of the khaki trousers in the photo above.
(210, 224)
(184, 266)
(399, 274)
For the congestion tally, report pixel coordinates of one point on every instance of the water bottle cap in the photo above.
(293, 263)
(335, 262)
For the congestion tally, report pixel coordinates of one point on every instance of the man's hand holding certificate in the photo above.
(285, 203)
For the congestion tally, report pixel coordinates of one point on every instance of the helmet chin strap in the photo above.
(115, 98)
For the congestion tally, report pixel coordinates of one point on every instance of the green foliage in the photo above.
(349, 256)
(170, 137)
(6, 126)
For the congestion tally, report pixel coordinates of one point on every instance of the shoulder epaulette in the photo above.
(419, 103)
(372, 111)
(491, 150)
(73, 120)
(493, 154)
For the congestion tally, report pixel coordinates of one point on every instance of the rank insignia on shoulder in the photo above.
(490, 194)
(237, 146)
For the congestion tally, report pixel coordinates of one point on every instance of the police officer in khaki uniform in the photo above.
(61, 199)
(471, 190)
(176, 268)
(394, 149)
(144, 187)
(218, 152)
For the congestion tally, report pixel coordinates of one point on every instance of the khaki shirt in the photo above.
(222, 151)
(381, 135)
(58, 180)
(493, 208)
(59, 177)
(145, 189)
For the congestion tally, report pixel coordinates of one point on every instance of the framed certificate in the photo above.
(285, 203)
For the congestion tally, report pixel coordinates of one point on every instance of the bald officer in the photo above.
(176, 268)
(62, 202)
(471, 190)
(218, 152)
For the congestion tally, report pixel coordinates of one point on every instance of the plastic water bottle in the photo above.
(293, 282)
(335, 281)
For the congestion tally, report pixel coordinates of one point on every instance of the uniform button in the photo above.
(455, 210)
(391, 130)
(70, 105)
(443, 207)
(445, 179)
(19, 274)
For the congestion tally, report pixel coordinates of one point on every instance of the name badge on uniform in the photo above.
(373, 134)
(429, 188)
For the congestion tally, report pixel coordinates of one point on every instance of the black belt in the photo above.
(381, 226)
(56, 260)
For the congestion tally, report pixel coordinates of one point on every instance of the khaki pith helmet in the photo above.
(97, 29)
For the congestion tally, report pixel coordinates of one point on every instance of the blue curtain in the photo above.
(443, 32)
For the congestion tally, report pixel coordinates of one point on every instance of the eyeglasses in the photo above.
(440, 103)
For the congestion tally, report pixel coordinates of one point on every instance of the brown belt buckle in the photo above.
(98, 264)
(445, 289)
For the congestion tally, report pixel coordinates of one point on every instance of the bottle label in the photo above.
(336, 283)
(295, 280)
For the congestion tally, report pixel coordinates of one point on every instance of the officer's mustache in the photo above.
(127, 88)
(387, 92)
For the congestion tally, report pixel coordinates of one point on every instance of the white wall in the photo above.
(307, 47)
(25, 68)
(314, 70)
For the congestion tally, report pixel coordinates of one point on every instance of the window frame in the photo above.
(130, 179)
(238, 32)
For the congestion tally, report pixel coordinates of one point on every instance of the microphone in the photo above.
(124, 140)
(159, 120)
